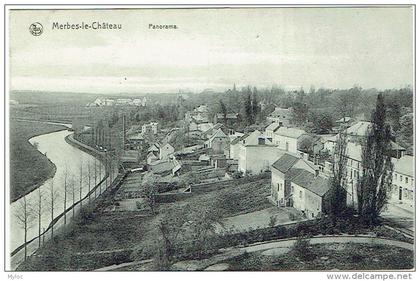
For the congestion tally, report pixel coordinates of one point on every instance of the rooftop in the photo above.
(405, 165)
(309, 181)
(289, 132)
(285, 162)
(359, 129)
(273, 126)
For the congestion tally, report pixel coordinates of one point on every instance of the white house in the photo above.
(287, 138)
(280, 176)
(166, 151)
(151, 127)
(256, 153)
(309, 193)
(283, 116)
(270, 129)
(218, 142)
(403, 181)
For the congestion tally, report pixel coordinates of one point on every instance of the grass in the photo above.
(329, 257)
(100, 231)
(28, 167)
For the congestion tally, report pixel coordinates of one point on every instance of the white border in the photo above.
(155, 4)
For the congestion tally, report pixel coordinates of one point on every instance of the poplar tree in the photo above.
(377, 167)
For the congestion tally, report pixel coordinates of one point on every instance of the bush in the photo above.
(302, 249)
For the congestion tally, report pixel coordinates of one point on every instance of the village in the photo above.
(300, 164)
(199, 181)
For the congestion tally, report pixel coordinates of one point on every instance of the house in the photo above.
(403, 181)
(207, 134)
(280, 176)
(165, 167)
(309, 192)
(344, 120)
(218, 161)
(257, 153)
(150, 128)
(130, 158)
(152, 157)
(230, 120)
(287, 138)
(235, 145)
(397, 151)
(166, 151)
(282, 116)
(195, 125)
(135, 141)
(358, 131)
(154, 148)
(270, 129)
(199, 114)
(218, 142)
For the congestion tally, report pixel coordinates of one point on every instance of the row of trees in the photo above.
(375, 181)
(30, 213)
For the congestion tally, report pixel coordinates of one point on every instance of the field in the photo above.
(106, 231)
(327, 257)
(28, 167)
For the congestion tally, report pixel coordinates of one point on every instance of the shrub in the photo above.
(302, 249)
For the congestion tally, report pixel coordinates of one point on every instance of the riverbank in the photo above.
(29, 168)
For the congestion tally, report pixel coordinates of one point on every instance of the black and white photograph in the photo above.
(210, 138)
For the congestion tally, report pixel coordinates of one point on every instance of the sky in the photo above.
(212, 49)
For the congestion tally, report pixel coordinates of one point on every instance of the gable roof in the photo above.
(309, 181)
(289, 132)
(273, 126)
(405, 165)
(359, 129)
(218, 134)
(154, 147)
(285, 162)
(280, 111)
(238, 139)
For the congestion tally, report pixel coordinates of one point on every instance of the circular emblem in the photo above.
(36, 29)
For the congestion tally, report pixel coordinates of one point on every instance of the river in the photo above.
(66, 158)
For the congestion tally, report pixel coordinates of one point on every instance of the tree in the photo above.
(377, 167)
(72, 191)
(248, 109)
(89, 178)
(81, 181)
(24, 218)
(52, 200)
(203, 221)
(150, 185)
(39, 211)
(299, 113)
(347, 101)
(223, 110)
(170, 227)
(322, 123)
(336, 202)
(405, 134)
(256, 110)
(66, 191)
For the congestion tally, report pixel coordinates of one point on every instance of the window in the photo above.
(300, 194)
(400, 178)
(406, 179)
(278, 187)
(396, 176)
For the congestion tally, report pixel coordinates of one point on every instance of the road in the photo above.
(400, 219)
